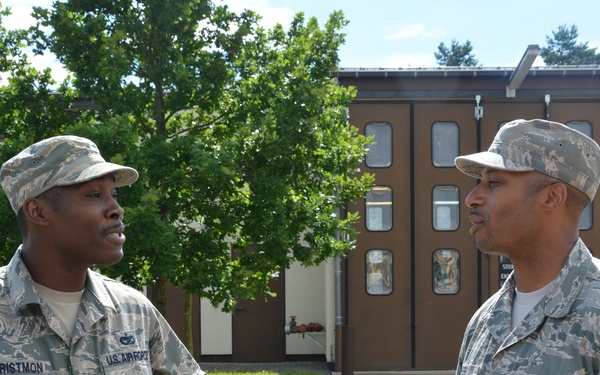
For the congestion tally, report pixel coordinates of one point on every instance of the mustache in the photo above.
(475, 213)
(120, 227)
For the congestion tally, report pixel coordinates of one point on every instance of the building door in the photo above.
(379, 268)
(259, 326)
(446, 259)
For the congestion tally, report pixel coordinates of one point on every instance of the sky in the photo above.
(405, 34)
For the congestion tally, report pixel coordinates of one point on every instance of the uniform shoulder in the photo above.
(590, 291)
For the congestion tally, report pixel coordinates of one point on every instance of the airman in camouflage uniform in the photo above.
(536, 226)
(116, 329)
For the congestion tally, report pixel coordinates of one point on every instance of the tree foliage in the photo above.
(456, 55)
(288, 155)
(563, 48)
(151, 59)
(240, 136)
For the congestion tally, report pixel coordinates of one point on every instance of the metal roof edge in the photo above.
(588, 70)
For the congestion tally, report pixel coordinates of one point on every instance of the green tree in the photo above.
(456, 55)
(240, 135)
(563, 48)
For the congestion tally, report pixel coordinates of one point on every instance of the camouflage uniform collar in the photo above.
(20, 283)
(95, 284)
(569, 282)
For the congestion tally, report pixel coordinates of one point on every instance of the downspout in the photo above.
(478, 117)
(347, 349)
(336, 318)
(413, 234)
(331, 307)
(339, 319)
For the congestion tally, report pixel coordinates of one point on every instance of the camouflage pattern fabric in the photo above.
(57, 161)
(117, 331)
(544, 146)
(559, 336)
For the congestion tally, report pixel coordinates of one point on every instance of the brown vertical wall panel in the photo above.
(440, 319)
(382, 323)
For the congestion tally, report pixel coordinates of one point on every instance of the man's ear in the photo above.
(36, 210)
(556, 195)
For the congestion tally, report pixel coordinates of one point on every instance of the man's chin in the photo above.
(113, 259)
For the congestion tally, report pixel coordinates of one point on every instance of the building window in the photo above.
(379, 208)
(379, 272)
(444, 143)
(446, 208)
(446, 271)
(586, 220)
(380, 151)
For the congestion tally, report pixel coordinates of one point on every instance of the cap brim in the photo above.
(473, 164)
(123, 175)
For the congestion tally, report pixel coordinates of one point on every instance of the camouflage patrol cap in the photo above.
(57, 161)
(544, 146)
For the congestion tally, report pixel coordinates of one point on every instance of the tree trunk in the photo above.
(159, 295)
(188, 323)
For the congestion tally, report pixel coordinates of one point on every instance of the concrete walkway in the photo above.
(302, 366)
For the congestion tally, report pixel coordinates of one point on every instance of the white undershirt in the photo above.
(523, 303)
(64, 304)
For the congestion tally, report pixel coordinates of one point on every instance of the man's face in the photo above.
(503, 212)
(88, 225)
